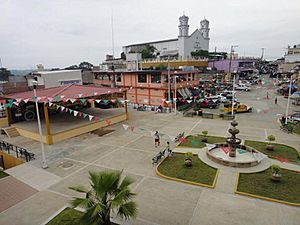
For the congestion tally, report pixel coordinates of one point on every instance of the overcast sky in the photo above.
(59, 33)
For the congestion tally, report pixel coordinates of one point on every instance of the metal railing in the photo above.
(18, 151)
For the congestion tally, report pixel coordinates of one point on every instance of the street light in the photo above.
(44, 163)
(233, 83)
(175, 94)
(288, 102)
(169, 85)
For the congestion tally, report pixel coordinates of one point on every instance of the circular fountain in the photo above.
(233, 153)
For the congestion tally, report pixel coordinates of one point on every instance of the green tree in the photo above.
(4, 74)
(148, 51)
(109, 193)
(85, 65)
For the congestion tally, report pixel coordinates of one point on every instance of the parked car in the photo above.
(242, 87)
(295, 116)
(207, 104)
(237, 108)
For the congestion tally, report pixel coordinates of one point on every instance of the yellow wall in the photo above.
(10, 161)
(29, 134)
(72, 132)
(3, 122)
(85, 129)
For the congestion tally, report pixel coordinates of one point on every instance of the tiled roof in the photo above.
(70, 91)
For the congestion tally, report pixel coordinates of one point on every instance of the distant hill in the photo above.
(20, 72)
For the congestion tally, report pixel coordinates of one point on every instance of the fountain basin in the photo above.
(245, 156)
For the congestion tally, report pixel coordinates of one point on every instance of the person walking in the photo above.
(156, 139)
(267, 95)
(275, 100)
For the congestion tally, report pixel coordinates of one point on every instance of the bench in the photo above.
(228, 117)
(207, 115)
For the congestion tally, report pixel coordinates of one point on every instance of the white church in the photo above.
(181, 46)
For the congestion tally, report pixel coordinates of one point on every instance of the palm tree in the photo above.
(109, 193)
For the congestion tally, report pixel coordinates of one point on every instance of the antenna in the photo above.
(262, 53)
(112, 35)
(0, 63)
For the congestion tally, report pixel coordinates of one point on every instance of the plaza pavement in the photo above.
(160, 201)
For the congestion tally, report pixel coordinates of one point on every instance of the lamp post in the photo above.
(232, 103)
(169, 85)
(175, 92)
(44, 163)
(288, 102)
(233, 83)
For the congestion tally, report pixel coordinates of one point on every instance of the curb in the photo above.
(186, 181)
(262, 197)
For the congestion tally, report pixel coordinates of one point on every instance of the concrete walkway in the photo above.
(13, 191)
(35, 177)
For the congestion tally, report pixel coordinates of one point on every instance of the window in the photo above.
(118, 77)
(156, 78)
(142, 78)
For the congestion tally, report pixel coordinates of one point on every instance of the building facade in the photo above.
(55, 78)
(151, 87)
(293, 54)
(183, 45)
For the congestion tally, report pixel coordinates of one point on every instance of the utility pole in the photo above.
(169, 84)
(262, 53)
(288, 102)
(113, 52)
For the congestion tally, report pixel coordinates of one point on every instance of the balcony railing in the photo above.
(19, 152)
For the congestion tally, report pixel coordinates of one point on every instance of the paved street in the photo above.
(160, 201)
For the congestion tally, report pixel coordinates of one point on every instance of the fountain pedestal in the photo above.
(233, 142)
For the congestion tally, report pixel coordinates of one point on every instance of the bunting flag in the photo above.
(84, 115)
(241, 151)
(182, 140)
(82, 100)
(90, 117)
(80, 95)
(97, 100)
(226, 150)
(73, 100)
(125, 126)
(63, 108)
(108, 122)
(75, 113)
(189, 101)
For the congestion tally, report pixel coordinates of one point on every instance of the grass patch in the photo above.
(296, 127)
(3, 174)
(261, 184)
(69, 216)
(280, 150)
(196, 141)
(199, 172)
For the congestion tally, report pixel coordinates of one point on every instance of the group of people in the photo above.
(157, 144)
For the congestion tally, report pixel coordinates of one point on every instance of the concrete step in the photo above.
(10, 131)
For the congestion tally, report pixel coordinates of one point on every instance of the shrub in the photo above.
(275, 169)
(188, 159)
(271, 138)
(205, 133)
(188, 155)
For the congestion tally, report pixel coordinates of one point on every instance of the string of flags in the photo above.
(78, 113)
(151, 132)
(11, 102)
